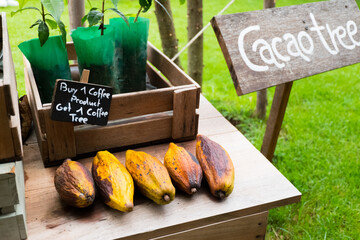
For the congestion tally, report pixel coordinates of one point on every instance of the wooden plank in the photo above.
(17, 142)
(156, 78)
(41, 139)
(60, 138)
(87, 140)
(184, 113)
(8, 68)
(140, 103)
(6, 144)
(9, 194)
(48, 216)
(71, 51)
(242, 228)
(8, 209)
(277, 113)
(13, 225)
(273, 46)
(170, 70)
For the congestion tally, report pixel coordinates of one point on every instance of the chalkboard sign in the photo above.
(273, 46)
(81, 102)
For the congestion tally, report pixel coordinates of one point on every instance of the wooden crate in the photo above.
(11, 181)
(166, 113)
(12, 188)
(10, 137)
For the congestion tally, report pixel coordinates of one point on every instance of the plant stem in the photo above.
(137, 15)
(43, 12)
(103, 18)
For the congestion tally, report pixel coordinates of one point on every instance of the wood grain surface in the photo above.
(310, 39)
(259, 186)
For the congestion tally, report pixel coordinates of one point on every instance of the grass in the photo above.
(318, 149)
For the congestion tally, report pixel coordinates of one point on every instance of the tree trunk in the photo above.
(261, 101)
(195, 51)
(169, 41)
(76, 12)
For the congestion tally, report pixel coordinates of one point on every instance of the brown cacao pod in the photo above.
(216, 165)
(75, 184)
(183, 168)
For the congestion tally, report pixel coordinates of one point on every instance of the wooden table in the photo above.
(259, 186)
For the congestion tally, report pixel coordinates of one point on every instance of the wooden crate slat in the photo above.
(41, 138)
(99, 138)
(184, 114)
(71, 51)
(168, 68)
(6, 145)
(156, 78)
(60, 137)
(140, 103)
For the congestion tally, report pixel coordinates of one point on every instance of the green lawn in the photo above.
(318, 148)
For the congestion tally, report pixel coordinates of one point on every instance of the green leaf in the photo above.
(120, 14)
(22, 9)
(115, 2)
(84, 18)
(89, 3)
(62, 30)
(94, 17)
(54, 7)
(43, 32)
(36, 23)
(182, 2)
(51, 23)
(146, 4)
(162, 6)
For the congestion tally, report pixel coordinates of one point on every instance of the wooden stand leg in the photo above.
(277, 112)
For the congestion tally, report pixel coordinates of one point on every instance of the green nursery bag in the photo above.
(96, 53)
(131, 53)
(48, 63)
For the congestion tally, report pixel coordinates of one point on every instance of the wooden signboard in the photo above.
(81, 102)
(276, 46)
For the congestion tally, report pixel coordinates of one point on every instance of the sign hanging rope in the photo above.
(200, 32)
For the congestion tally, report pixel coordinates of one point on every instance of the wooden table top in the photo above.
(259, 186)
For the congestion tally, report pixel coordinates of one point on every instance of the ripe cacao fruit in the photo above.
(216, 165)
(150, 176)
(114, 182)
(74, 183)
(183, 168)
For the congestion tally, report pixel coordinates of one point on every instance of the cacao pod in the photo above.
(74, 183)
(150, 176)
(216, 165)
(114, 182)
(183, 168)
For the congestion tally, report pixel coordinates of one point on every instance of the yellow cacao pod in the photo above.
(150, 176)
(114, 182)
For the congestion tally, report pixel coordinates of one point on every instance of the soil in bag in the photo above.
(131, 53)
(48, 63)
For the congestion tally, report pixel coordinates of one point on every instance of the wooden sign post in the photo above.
(274, 47)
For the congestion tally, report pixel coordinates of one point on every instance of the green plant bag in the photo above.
(96, 53)
(48, 63)
(131, 53)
